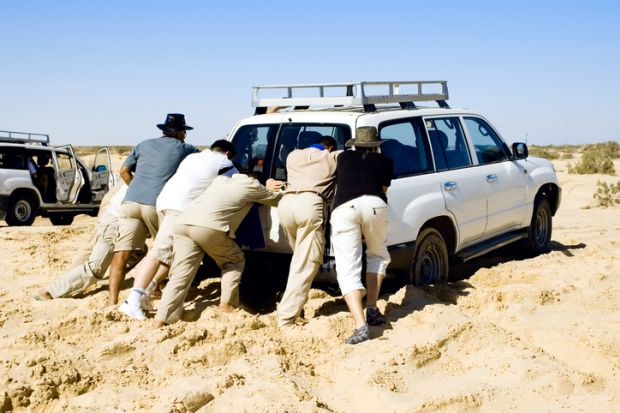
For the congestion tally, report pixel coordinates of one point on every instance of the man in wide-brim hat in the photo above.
(146, 170)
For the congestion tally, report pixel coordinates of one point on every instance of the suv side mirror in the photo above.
(519, 150)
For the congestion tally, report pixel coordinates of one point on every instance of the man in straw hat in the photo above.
(145, 171)
(360, 210)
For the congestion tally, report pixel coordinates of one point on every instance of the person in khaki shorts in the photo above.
(91, 263)
(311, 174)
(206, 226)
(193, 176)
(146, 170)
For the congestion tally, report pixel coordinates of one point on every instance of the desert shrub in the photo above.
(543, 152)
(597, 159)
(607, 194)
(567, 155)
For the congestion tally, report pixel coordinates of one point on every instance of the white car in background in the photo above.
(74, 188)
(458, 191)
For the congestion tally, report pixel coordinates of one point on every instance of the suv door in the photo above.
(69, 179)
(101, 174)
(505, 180)
(414, 183)
(462, 186)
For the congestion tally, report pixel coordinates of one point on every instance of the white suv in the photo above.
(69, 187)
(458, 191)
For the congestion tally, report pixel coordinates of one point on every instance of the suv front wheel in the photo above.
(430, 261)
(539, 233)
(22, 210)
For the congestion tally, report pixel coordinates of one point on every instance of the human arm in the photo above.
(126, 174)
(129, 166)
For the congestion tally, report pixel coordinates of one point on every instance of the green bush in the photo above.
(597, 159)
(607, 195)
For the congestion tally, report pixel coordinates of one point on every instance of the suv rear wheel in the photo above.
(22, 210)
(61, 219)
(430, 261)
(539, 233)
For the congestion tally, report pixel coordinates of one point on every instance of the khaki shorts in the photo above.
(162, 245)
(135, 224)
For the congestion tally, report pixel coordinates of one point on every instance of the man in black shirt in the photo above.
(360, 209)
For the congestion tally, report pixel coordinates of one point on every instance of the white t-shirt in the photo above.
(193, 176)
(110, 213)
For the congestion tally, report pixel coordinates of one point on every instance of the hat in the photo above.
(175, 122)
(365, 136)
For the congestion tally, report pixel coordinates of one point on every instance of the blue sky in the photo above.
(105, 72)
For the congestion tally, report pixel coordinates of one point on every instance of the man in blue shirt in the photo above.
(145, 171)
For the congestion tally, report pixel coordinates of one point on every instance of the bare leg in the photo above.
(146, 271)
(354, 302)
(373, 286)
(227, 308)
(117, 274)
(160, 324)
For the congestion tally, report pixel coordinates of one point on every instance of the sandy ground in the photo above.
(518, 335)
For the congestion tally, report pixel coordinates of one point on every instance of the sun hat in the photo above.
(175, 122)
(365, 136)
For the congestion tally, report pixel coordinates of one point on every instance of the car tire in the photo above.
(61, 219)
(539, 233)
(430, 261)
(22, 210)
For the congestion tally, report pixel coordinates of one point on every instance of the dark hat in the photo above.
(175, 122)
(365, 136)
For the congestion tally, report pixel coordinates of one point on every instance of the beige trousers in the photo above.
(191, 242)
(135, 224)
(94, 267)
(302, 219)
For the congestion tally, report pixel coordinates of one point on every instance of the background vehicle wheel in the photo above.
(539, 233)
(430, 261)
(61, 219)
(22, 210)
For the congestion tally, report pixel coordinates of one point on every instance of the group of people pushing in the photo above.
(191, 202)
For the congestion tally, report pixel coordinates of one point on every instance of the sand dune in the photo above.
(520, 334)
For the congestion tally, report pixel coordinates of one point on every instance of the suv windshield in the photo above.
(264, 148)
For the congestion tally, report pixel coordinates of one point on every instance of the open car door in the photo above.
(69, 179)
(102, 177)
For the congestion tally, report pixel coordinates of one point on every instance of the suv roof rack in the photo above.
(356, 94)
(24, 137)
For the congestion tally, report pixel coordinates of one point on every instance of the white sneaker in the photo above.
(132, 312)
(147, 303)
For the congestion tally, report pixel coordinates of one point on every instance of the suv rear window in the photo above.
(11, 158)
(264, 148)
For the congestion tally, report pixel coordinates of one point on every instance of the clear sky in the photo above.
(105, 72)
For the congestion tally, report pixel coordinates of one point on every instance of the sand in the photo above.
(518, 335)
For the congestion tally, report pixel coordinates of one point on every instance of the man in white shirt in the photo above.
(194, 175)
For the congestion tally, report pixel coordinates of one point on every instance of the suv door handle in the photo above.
(491, 178)
(450, 185)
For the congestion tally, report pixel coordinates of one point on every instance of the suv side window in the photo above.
(12, 158)
(489, 147)
(448, 143)
(405, 143)
(65, 161)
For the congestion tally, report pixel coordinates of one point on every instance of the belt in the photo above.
(302, 192)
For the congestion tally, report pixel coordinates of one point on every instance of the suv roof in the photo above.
(353, 95)
(7, 136)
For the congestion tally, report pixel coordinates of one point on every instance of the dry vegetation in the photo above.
(597, 159)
